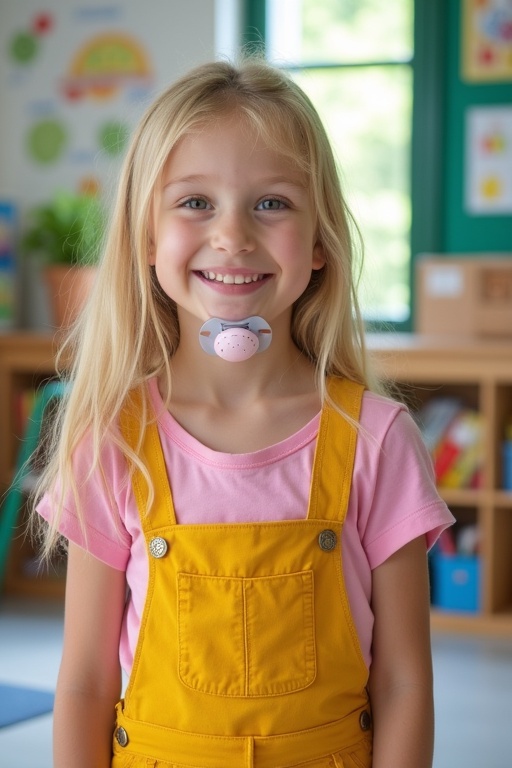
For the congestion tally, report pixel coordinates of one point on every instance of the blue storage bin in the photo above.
(456, 582)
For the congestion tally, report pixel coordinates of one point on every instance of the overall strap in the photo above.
(149, 450)
(335, 452)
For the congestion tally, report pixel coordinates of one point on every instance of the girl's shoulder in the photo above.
(382, 404)
(379, 412)
(389, 432)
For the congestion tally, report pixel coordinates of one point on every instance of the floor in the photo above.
(473, 691)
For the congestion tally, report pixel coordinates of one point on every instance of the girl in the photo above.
(225, 460)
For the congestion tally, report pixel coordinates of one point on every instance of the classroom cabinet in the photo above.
(27, 360)
(478, 373)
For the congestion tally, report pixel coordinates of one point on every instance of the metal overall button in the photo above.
(327, 540)
(158, 547)
(365, 720)
(121, 737)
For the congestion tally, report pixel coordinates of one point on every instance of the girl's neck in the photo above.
(278, 371)
(242, 407)
(207, 378)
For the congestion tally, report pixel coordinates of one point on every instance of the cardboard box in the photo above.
(455, 582)
(461, 295)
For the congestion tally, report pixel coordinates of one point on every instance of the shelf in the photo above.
(464, 497)
(421, 367)
(42, 587)
(479, 372)
(472, 623)
(26, 576)
(468, 497)
(503, 499)
(26, 361)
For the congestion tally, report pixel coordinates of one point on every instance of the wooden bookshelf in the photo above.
(422, 367)
(480, 373)
(27, 360)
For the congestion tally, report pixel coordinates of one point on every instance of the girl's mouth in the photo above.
(218, 277)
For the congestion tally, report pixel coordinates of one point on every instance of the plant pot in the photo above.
(68, 290)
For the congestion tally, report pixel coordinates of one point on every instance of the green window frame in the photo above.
(427, 146)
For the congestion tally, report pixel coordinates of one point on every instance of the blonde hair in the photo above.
(129, 330)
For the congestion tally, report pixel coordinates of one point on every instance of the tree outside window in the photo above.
(354, 59)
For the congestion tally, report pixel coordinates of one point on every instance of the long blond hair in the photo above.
(129, 330)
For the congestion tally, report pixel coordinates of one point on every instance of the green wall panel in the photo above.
(461, 231)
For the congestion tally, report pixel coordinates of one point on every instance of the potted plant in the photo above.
(64, 235)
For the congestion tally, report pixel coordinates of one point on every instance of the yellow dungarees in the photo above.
(247, 654)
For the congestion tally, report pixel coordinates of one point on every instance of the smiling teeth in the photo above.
(232, 279)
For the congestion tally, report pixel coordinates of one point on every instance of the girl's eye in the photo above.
(196, 203)
(271, 204)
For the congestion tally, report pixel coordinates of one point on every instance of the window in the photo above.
(354, 58)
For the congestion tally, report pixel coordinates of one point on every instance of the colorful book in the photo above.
(434, 418)
(459, 455)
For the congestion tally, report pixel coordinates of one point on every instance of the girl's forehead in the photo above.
(232, 131)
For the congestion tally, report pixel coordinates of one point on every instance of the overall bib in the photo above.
(247, 654)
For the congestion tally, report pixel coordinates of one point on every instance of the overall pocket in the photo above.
(246, 636)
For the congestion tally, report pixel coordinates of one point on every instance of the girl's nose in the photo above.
(232, 234)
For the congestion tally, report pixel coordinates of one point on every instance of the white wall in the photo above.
(170, 35)
(41, 96)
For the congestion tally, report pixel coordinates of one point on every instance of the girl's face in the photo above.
(234, 230)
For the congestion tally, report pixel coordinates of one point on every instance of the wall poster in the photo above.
(487, 40)
(489, 160)
(75, 78)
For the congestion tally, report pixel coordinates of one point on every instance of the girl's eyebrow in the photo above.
(192, 179)
(270, 180)
(292, 181)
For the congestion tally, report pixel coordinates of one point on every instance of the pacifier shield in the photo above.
(236, 344)
(235, 340)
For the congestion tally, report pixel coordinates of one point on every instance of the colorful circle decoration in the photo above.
(24, 47)
(42, 23)
(46, 141)
(491, 187)
(105, 64)
(113, 137)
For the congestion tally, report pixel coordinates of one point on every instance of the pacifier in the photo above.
(235, 341)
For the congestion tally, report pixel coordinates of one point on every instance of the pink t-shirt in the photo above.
(393, 500)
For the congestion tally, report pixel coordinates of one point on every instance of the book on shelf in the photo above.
(459, 456)
(434, 418)
(453, 434)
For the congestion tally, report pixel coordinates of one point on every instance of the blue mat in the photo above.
(18, 704)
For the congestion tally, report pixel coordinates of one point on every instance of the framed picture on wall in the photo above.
(489, 160)
(486, 40)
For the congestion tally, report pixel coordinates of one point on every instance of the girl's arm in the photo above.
(401, 686)
(89, 683)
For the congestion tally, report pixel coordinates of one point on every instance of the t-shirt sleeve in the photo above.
(102, 499)
(405, 503)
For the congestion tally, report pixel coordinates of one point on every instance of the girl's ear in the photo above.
(318, 256)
